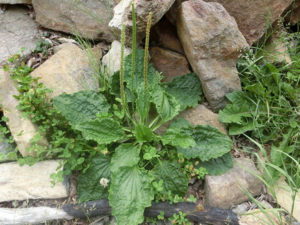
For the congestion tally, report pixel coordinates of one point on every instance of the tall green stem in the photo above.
(122, 69)
(146, 56)
(133, 53)
(133, 45)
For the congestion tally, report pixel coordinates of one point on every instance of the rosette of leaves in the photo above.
(138, 163)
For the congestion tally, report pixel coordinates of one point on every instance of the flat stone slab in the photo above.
(30, 182)
(285, 199)
(227, 190)
(17, 30)
(22, 129)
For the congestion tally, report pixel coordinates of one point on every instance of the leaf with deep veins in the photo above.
(101, 130)
(210, 143)
(81, 106)
(130, 193)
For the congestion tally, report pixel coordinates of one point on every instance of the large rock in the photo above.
(17, 30)
(171, 15)
(123, 15)
(112, 60)
(89, 18)
(22, 129)
(259, 217)
(284, 198)
(201, 115)
(227, 190)
(15, 1)
(30, 182)
(253, 16)
(170, 64)
(69, 71)
(212, 43)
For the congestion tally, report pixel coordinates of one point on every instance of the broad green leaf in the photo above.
(88, 187)
(176, 138)
(173, 178)
(143, 133)
(210, 143)
(130, 193)
(166, 105)
(235, 113)
(103, 131)
(219, 165)
(186, 89)
(138, 81)
(180, 123)
(126, 155)
(237, 129)
(81, 106)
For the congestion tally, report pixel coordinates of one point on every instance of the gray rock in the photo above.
(112, 60)
(15, 1)
(227, 190)
(241, 208)
(89, 18)
(212, 43)
(123, 13)
(30, 182)
(253, 16)
(22, 129)
(17, 30)
(68, 71)
(201, 115)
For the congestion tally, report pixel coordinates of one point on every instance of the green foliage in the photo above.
(81, 106)
(89, 187)
(268, 107)
(218, 165)
(185, 89)
(172, 176)
(180, 219)
(129, 194)
(210, 143)
(102, 130)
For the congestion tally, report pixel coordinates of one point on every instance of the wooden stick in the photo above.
(214, 216)
(37, 215)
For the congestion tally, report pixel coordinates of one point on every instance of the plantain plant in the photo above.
(135, 164)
